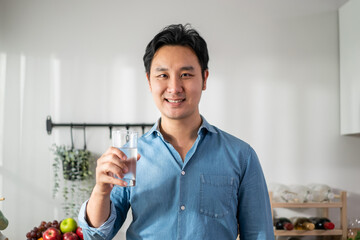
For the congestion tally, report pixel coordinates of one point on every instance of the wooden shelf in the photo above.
(334, 232)
(342, 205)
(308, 205)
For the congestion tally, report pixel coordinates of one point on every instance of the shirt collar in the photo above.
(205, 125)
(154, 129)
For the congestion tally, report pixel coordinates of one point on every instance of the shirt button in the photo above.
(183, 173)
(182, 207)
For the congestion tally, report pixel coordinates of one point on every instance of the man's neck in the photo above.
(180, 128)
(181, 133)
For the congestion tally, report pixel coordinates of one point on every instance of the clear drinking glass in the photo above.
(126, 141)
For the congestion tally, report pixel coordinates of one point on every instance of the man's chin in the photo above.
(174, 116)
(177, 116)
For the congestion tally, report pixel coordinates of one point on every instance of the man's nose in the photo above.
(175, 85)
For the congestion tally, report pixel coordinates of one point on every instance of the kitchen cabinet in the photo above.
(349, 45)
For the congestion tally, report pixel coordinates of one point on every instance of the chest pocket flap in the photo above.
(215, 195)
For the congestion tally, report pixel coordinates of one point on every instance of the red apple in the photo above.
(52, 234)
(80, 233)
(70, 236)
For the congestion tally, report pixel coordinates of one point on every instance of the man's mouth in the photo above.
(175, 100)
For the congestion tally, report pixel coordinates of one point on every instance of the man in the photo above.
(194, 181)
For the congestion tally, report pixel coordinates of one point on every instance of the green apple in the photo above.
(68, 225)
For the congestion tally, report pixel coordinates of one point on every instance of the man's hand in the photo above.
(109, 165)
(110, 170)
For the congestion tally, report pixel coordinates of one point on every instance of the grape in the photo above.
(56, 225)
(37, 232)
(33, 234)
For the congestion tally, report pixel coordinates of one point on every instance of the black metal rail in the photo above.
(50, 125)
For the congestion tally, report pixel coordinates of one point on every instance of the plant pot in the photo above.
(75, 164)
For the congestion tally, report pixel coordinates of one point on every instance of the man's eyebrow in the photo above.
(185, 68)
(161, 69)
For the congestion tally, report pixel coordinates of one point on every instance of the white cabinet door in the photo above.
(349, 29)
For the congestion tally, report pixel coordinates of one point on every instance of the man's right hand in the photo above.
(110, 170)
(109, 165)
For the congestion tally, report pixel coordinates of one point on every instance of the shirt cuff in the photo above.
(102, 232)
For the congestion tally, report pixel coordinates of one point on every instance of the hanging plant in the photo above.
(75, 176)
(75, 163)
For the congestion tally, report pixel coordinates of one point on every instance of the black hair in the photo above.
(178, 34)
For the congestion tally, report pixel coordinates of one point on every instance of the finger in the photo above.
(111, 168)
(118, 175)
(115, 181)
(117, 152)
(112, 159)
(110, 179)
(138, 156)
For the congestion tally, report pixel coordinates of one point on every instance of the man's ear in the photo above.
(206, 75)
(148, 78)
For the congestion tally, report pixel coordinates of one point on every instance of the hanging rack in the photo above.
(50, 125)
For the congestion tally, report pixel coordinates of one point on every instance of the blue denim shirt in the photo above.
(217, 191)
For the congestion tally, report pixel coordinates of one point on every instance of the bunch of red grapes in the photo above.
(37, 232)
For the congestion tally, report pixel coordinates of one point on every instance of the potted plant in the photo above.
(72, 171)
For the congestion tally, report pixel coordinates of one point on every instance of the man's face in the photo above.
(176, 82)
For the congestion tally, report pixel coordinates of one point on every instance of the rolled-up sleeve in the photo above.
(104, 232)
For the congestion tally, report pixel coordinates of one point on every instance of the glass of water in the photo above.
(126, 141)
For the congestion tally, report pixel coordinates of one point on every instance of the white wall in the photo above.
(274, 82)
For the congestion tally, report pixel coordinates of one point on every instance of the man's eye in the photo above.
(186, 75)
(162, 76)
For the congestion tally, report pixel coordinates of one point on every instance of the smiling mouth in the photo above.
(175, 100)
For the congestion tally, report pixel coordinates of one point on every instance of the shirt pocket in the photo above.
(215, 195)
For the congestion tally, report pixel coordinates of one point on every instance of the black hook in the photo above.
(84, 137)
(71, 134)
(110, 128)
